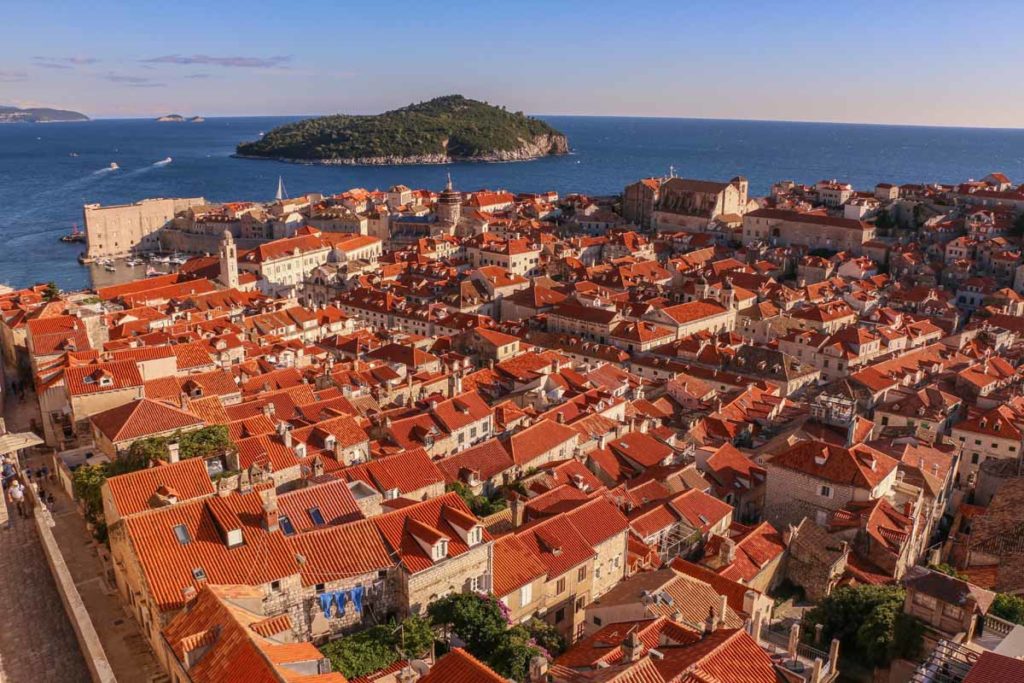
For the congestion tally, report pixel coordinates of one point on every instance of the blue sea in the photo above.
(43, 187)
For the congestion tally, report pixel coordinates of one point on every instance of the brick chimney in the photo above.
(723, 605)
(632, 647)
(726, 552)
(269, 514)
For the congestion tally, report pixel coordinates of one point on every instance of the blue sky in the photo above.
(902, 61)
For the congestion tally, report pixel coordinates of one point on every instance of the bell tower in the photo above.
(228, 261)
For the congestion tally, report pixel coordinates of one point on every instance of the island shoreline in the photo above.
(400, 161)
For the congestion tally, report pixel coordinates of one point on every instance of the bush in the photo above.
(205, 442)
(482, 506)
(87, 482)
(869, 622)
(362, 653)
(1009, 607)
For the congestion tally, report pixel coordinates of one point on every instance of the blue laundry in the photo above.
(357, 598)
(326, 599)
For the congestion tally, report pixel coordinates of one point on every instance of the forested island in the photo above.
(38, 115)
(442, 130)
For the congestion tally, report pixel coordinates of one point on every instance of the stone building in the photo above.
(128, 228)
(692, 205)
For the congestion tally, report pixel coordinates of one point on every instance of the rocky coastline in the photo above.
(539, 146)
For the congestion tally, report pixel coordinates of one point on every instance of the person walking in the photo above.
(16, 493)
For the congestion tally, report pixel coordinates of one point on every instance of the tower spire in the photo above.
(449, 185)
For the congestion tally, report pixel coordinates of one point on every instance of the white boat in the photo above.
(114, 166)
(110, 268)
(131, 263)
(161, 259)
(164, 162)
(177, 259)
(152, 272)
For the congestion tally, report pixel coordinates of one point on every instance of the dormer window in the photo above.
(300, 450)
(476, 536)
(440, 550)
(330, 442)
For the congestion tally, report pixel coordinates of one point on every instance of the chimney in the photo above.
(632, 647)
(727, 552)
(183, 401)
(172, 452)
(515, 505)
(816, 671)
(560, 418)
(709, 623)
(723, 604)
(270, 515)
(538, 669)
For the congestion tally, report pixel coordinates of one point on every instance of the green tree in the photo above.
(511, 657)
(477, 619)
(52, 292)
(205, 442)
(947, 569)
(140, 455)
(868, 621)
(1018, 226)
(1009, 607)
(415, 637)
(87, 482)
(546, 636)
(482, 506)
(362, 653)
(884, 221)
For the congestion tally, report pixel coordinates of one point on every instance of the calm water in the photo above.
(42, 187)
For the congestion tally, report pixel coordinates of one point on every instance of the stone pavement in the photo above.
(37, 642)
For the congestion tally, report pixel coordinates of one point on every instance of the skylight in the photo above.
(286, 525)
(198, 574)
(181, 533)
(314, 514)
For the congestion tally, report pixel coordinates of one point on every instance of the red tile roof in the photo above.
(142, 418)
(333, 499)
(859, 465)
(458, 666)
(132, 492)
(395, 528)
(514, 565)
(100, 377)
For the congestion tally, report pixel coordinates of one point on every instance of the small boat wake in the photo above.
(164, 162)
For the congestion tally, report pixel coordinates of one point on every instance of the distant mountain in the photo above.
(445, 129)
(38, 115)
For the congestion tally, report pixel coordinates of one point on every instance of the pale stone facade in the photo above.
(126, 228)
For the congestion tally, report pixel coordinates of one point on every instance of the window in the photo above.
(581, 573)
(597, 620)
(181, 533)
(560, 586)
(952, 611)
(314, 514)
(560, 615)
(825, 491)
(924, 600)
(526, 595)
(275, 586)
(198, 574)
(974, 458)
(286, 525)
(581, 603)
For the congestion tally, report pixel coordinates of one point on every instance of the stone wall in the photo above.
(122, 229)
(89, 641)
(454, 575)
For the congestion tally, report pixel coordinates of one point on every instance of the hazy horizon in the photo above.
(908, 63)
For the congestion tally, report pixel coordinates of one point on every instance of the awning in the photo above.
(11, 442)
